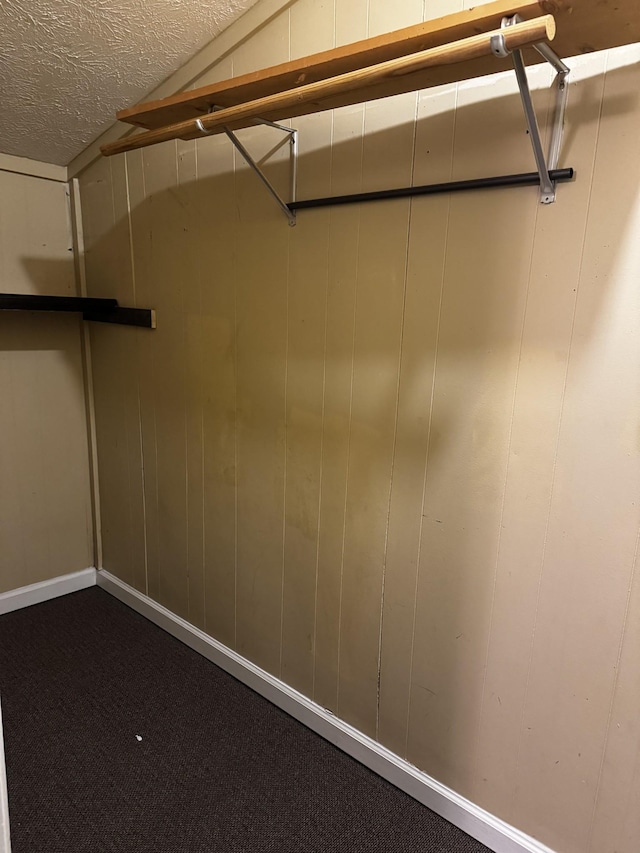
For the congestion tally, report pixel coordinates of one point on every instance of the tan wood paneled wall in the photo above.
(45, 499)
(392, 455)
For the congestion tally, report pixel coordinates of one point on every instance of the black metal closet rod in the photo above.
(520, 180)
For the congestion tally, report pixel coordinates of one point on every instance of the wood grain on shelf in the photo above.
(584, 26)
(404, 74)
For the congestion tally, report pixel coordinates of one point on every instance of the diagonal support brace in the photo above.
(246, 156)
(544, 165)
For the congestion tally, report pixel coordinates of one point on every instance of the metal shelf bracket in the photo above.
(548, 173)
(544, 165)
(293, 163)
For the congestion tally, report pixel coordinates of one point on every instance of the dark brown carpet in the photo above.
(218, 767)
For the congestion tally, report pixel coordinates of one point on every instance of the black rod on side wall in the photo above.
(521, 180)
(143, 317)
(38, 302)
(102, 310)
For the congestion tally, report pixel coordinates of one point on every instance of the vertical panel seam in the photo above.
(147, 200)
(201, 395)
(285, 413)
(353, 358)
(555, 460)
(474, 758)
(140, 431)
(79, 251)
(234, 162)
(346, 486)
(409, 208)
(613, 692)
(127, 448)
(430, 425)
(185, 345)
(285, 446)
(323, 408)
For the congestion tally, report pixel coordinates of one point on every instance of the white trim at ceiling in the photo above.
(228, 40)
(35, 168)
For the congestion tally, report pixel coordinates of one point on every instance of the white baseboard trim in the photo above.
(35, 593)
(5, 840)
(480, 824)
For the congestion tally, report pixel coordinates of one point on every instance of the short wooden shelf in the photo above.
(309, 84)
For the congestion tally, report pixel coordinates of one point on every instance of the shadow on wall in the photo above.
(40, 331)
(313, 445)
(52, 338)
(45, 501)
(21, 330)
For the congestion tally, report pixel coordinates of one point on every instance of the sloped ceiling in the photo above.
(66, 66)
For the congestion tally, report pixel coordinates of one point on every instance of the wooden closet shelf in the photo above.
(583, 26)
(405, 74)
(468, 44)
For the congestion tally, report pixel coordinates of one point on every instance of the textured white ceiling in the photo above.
(66, 66)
